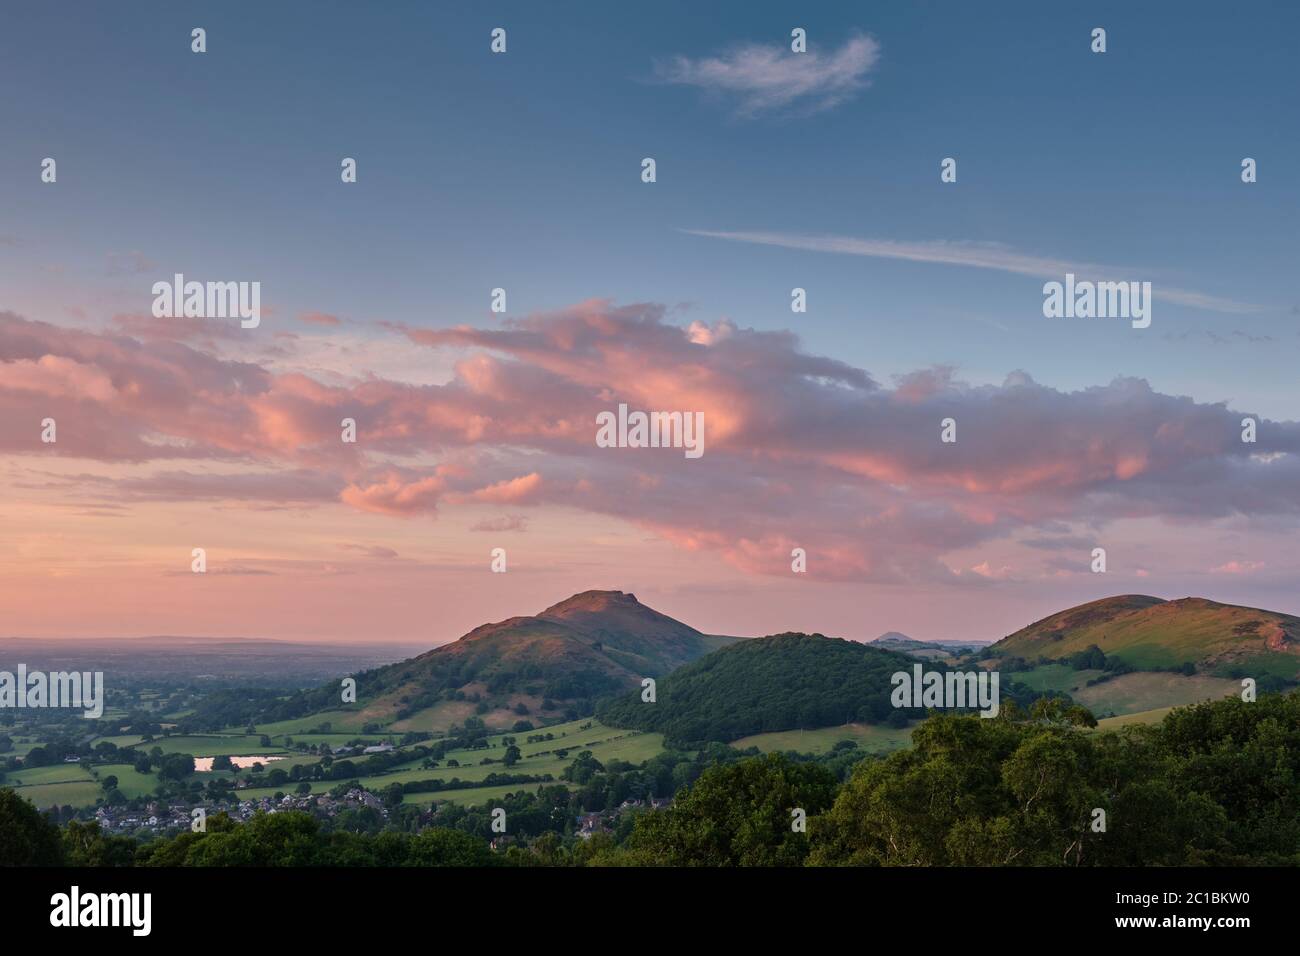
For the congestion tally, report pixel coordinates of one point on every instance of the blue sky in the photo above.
(522, 171)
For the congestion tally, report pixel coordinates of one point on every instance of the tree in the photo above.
(27, 837)
(85, 845)
(511, 756)
(175, 766)
(584, 767)
(738, 814)
(440, 847)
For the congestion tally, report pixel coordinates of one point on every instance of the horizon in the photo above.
(417, 643)
(820, 432)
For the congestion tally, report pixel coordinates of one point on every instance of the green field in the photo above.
(334, 740)
(869, 737)
(474, 797)
(75, 794)
(1143, 691)
(57, 773)
(340, 721)
(1057, 677)
(1128, 720)
(232, 745)
(132, 783)
(537, 759)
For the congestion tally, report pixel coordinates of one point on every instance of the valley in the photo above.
(553, 702)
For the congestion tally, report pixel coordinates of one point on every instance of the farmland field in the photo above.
(1143, 691)
(1131, 720)
(538, 759)
(869, 737)
(57, 773)
(1058, 677)
(210, 746)
(131, 782)
(81, 793)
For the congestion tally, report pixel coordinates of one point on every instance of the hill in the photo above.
(1148, 633)
(766, 684)
(926, 650)
(592, 644)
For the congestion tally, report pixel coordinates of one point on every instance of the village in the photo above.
(161, 818)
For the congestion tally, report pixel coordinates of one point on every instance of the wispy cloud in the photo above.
(767, 79)
(498, 525)
(319, 318)
(134, 262)
(976, 255)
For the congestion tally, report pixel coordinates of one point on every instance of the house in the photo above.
(377, 749)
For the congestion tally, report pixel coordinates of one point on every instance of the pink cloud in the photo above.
(801, 450)
(1237, 567)
(319, 318)
(394, 496)
(513, 491)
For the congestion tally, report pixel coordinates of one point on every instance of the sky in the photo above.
(522, 170)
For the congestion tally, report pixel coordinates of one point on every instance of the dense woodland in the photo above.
(784, 682)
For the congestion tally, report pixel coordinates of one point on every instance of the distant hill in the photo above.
(894, 637)
(1148, 632)
(246, 662)
(926, 650)
(592, 644)
(764, 684)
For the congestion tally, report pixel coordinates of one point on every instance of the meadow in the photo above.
(872, 738)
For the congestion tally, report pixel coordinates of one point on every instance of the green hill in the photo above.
(766, 684)
(1148, 633)
(590, 645)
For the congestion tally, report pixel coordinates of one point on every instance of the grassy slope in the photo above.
(1128, 693)
(1138, 692)
(213, 745)
(1058, 677)
(869, 737)
(1147, 632)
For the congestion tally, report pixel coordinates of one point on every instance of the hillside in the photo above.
(591, 644)
(925, 650)
(783, 682)
(1148, 632)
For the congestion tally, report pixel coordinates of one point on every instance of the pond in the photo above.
(243, 763)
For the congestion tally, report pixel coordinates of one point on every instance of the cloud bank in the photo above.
(803, 450)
